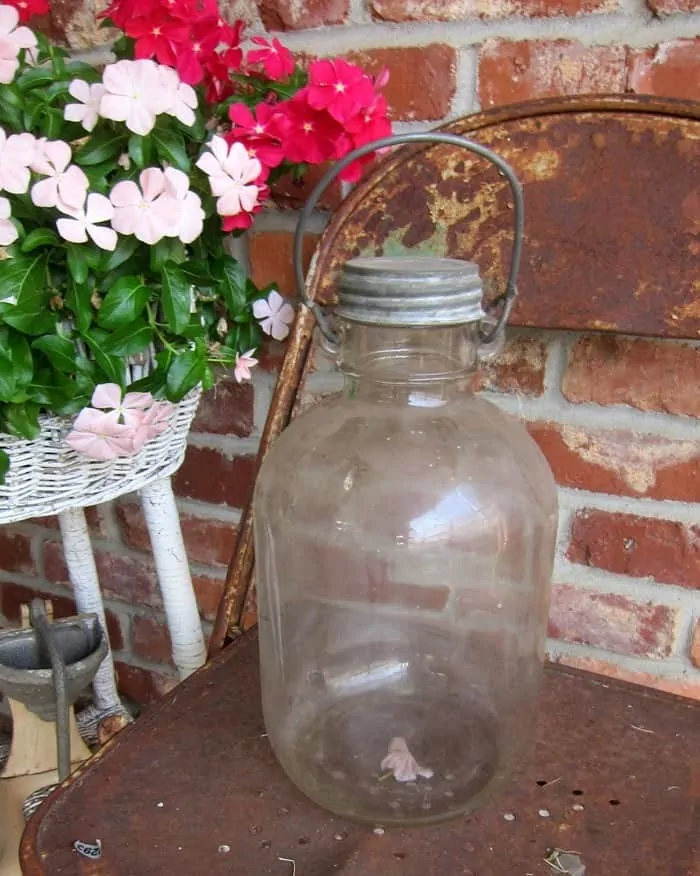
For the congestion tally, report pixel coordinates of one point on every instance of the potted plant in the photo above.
(119, 297)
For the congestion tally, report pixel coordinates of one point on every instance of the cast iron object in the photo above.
(192, 788)
(25, 666)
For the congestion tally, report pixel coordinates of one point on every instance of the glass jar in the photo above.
(404, 538)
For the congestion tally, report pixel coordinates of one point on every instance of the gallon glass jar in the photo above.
(404, 537)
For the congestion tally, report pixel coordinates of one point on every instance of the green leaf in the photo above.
(168, 249)
(126, 247)
(79, 302)
(176, 298)
(35, 77)
(185, 372)
(4, 465)
(109, 364)
(100, 147)
(82, 70)
(198, 273)
(123, 303)
(77, 263)
(25, 279)
(129, 340)
(21, 420)
(30, 322)
(171, 148)
(140, 150)
(39, 237)
(208, 378)
(51, 123)
(233, 287)
(22, 361)
(59, 351)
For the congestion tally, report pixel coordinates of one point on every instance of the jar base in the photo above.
(335, 756)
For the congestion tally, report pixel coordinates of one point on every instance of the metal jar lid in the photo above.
(410, 291)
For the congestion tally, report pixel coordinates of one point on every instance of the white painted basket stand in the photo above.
(47, 476)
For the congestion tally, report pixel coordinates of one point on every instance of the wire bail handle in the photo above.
(507, 297)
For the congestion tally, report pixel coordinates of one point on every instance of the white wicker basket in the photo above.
(47, 476)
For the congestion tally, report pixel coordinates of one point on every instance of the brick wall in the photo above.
(616, 417)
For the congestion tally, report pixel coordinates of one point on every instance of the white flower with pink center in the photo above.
(87, 112)
(12, 40)
(134, 94)
(232, 174)
(187, 215)
(275, 315)
(140, 209)
(8, 232)
(84, 222)
(16, 154)
(183, 98)
(64, 181)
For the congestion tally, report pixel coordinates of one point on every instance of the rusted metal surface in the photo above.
(612, 201)
(616, 767)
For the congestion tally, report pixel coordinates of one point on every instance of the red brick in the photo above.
(209, 476)
(621, 462)
(12, 596)
(695, 646)
(519, 369)
(124, 578)
(208, 592)
(612, 622)
(15, 551)
(669, 7)
(677, 686)
(458, 10)
(646, 374)
(422, 79)
(143, 686)
(299, 14)
(510, 72)
(150, 639)
(272, 261)
(227, 409)
(642, 547)
(670, 69)
(206, 541)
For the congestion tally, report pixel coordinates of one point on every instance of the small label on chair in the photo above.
(89, 850)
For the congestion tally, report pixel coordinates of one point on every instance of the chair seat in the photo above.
(193, 788)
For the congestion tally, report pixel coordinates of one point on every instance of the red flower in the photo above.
(197, 52)
(341, 88)
(262, 134)
(28, 8)
(157, 37)
(368, 125)
(227, 59)
(276, 59)
(312, 135)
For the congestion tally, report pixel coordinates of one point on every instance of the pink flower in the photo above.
(183, 98)
(244, 362)
(134, 94)
(8, 232)
(83, 222)
(403, 764)
(12, 40)
(275, 315)
(141, 211)
(65, 181)
(185, 207)
(232, 174)
(130, 409)
(16, 154)
(311, 136)
(262, 134)
(276, 59)
(341, 88)
(87, 111)
(100, 435)
(154, 421)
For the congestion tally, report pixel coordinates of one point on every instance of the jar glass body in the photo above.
(404, 538)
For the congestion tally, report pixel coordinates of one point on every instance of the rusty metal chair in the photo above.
(193, 787)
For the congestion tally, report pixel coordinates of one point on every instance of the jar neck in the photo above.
(422, 367)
